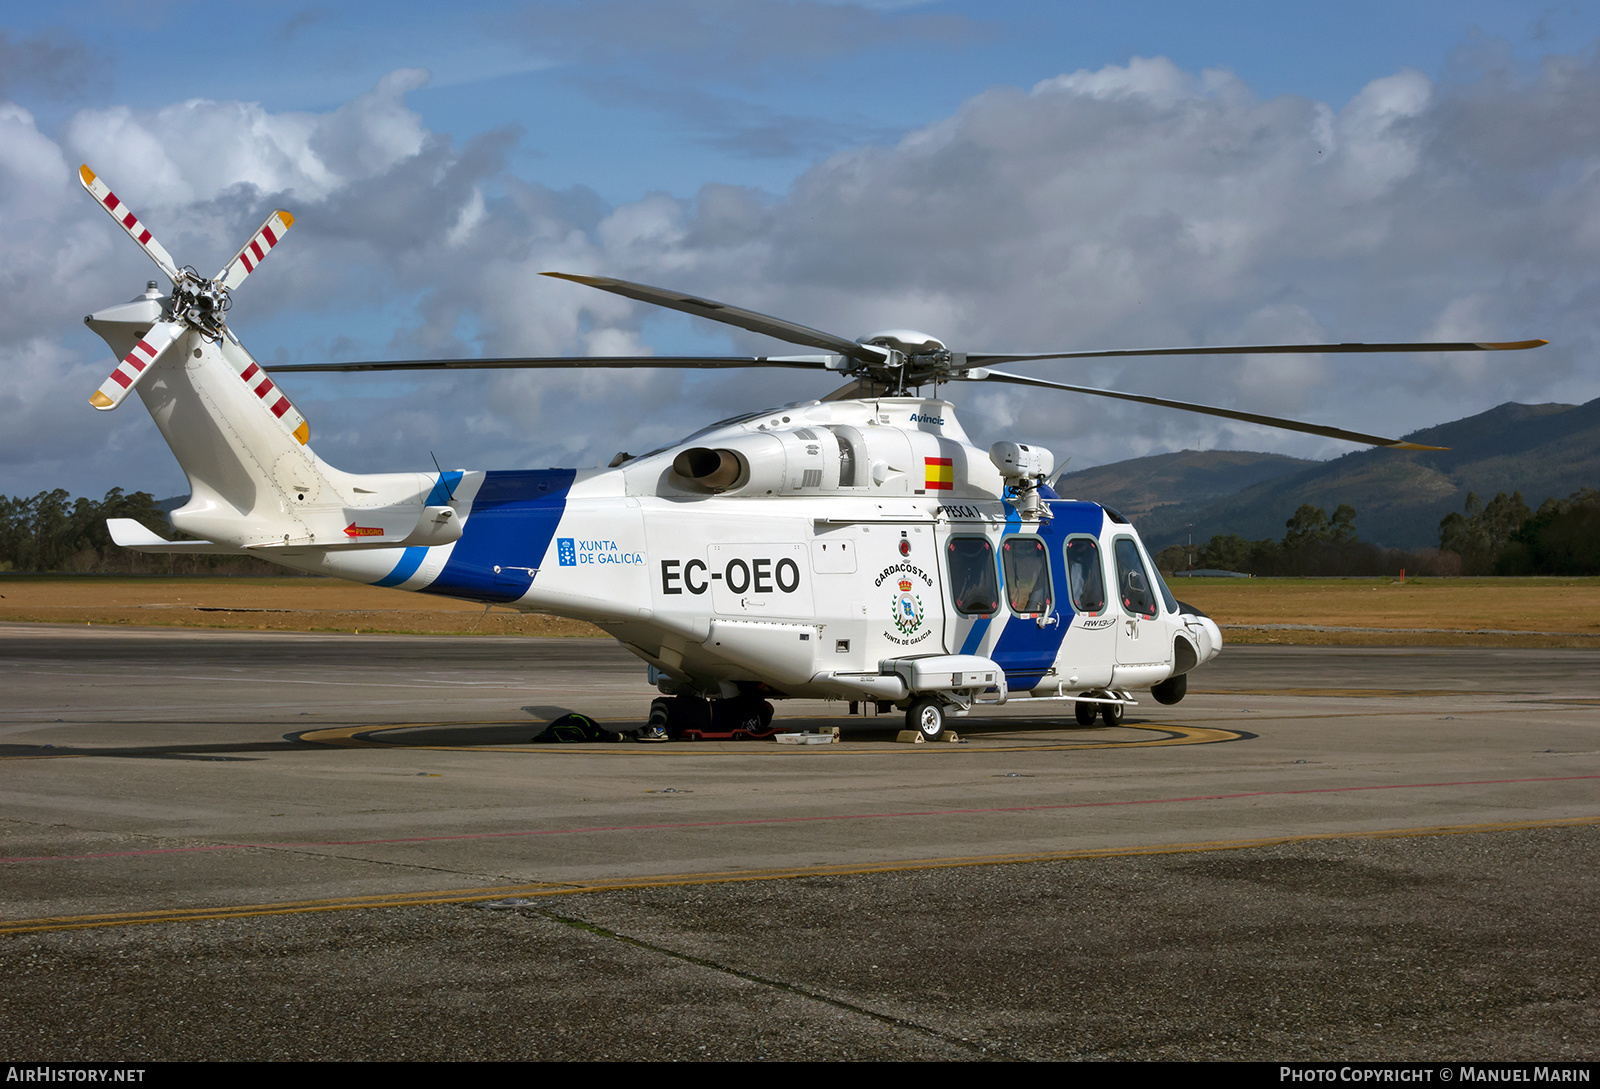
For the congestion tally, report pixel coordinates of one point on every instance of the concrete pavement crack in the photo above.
(795, 989)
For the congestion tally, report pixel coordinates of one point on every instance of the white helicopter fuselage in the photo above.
(855, 549)
(858, 547)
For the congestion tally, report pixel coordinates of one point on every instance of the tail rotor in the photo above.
(197, 305)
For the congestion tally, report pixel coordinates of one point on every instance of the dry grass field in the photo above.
(1530, 612)
(1524, 612)
(263, 604)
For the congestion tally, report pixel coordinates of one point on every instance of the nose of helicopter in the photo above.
(1207, 634)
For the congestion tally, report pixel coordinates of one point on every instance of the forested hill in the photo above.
(1143, 485)
(1399, 496)
(52, 531)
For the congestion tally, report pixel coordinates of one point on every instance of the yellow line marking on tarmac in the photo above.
(362, 737)
(545, 889)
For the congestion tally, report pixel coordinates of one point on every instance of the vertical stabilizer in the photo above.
(240, 442)
(254, 482)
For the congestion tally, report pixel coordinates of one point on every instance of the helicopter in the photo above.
(856, 547)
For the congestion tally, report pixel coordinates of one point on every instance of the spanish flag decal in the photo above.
(941, 474)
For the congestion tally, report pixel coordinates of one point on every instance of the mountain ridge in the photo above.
(1540, 450)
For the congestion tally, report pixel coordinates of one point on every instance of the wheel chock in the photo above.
(914, 737)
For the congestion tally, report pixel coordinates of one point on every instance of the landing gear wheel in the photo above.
(675, 717)
(926, 716)
(750, 716)
(1085, 712)
(1172, 689)
(1111, 713)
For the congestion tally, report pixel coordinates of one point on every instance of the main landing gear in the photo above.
(1086, 711)
(926, 716)
(691, 718)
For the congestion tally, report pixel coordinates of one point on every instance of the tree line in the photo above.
(52, 531)
(1314, 545)
(1502, 537)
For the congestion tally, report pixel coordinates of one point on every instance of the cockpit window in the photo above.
(1166, 594)
(1133, 582)
(1085, 580)
(1027, 575)
(972, 581)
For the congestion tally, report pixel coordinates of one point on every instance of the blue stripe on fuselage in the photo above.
(444, 489)
(1024, 650)
(975, 635)
(514, 516)
(410, 560)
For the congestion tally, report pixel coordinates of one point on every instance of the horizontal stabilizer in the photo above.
(130, 534)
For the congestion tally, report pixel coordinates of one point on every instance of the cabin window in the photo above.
(1027, 570)
(1085, 578)
(1133, 582)
(972, 581)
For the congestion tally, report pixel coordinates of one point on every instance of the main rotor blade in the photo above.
(984, 359)
(728, 315)
(1225, 413)
(250, 254)
(128, 221)
(812, 362)
(135, 365)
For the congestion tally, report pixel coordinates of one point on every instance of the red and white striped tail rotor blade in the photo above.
(128, 221)
(251, 253)
(135, 365)
(275, 400)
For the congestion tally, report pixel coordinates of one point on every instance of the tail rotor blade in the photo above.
(135, 365)
(128, 221)
(274, 399)
(252, 252)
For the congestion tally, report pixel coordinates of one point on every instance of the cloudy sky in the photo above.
(1025, 175)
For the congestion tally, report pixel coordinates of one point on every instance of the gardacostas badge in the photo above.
(907, 606)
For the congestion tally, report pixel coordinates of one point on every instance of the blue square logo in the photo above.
(566, 552)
